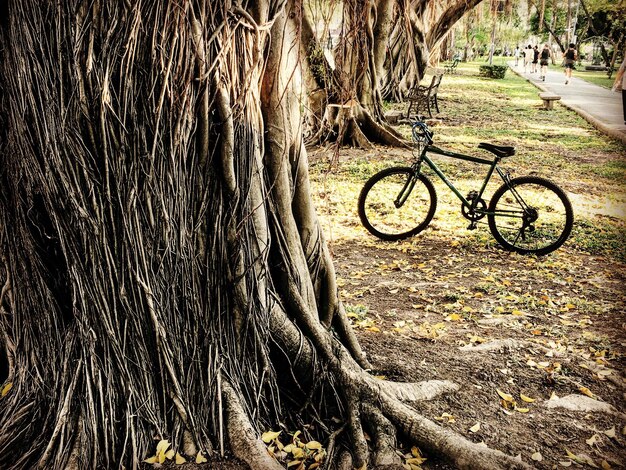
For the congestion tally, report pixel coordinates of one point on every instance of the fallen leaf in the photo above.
(313, 445)
(453, 317)
(537, 457)
(6, 389)
(505, 396)
(269, 436)
(200, 458)
(565, 464)
(605, 465)
(610, 432)
(592, 440)
(527, 399)
(152, 459)
(180, 459)
(522, 410)
(586, 391)
(475, 428)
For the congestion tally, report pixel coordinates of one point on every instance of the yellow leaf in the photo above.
(453, 317)
(313, 445)
(537, 457)
(293, 463)
(468, 309)
(475, 428)
(505, 396)
(592, 440)
(605, 465)
(169, 455)
(161, 457)
(517, 313)
(416, 452)
(297, 452)
(565, 464)
(610, 432)
(522, 410)
(6, 389)
(162, 446)
(416, 460)
(525, 398)
(180, 459)
(152, 459)
(586, 391)
(200, 458)
(269, 436)
(314, 465)
(289, 448)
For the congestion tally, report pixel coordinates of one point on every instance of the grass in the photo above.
(560, 145)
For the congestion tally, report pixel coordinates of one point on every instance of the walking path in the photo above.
(598, 105)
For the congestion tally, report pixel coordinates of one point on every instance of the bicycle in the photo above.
(527, 214)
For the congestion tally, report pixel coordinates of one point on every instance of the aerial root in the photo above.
(243, 439)
(383, 434)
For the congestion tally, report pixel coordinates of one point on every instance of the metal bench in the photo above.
(424, 97)
(451, 68)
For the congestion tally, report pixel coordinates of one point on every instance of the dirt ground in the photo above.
(492, 321)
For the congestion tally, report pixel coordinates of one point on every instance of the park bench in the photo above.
(451, 68)
(424, 97)
(548, 99)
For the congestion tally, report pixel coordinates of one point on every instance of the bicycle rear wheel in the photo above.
(396, 203)
(530, 215)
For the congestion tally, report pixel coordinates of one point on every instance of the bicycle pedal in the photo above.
(471, 226)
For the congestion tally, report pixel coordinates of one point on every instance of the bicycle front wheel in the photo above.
(530, 215)
(396, 203)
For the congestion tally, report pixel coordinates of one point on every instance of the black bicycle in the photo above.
(528, 214)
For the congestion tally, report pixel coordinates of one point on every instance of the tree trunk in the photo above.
(164, 273)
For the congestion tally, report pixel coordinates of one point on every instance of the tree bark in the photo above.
(164, 272)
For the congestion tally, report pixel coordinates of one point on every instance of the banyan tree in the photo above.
(164, 273)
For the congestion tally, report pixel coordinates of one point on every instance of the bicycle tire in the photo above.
(546, 201)
(380, 214)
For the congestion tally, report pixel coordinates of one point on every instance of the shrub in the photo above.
(493, 71)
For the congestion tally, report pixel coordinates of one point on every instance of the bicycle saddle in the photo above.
(500, 150)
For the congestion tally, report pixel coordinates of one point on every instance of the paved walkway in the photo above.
(599, 106)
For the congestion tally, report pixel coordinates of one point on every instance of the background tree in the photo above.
(165, 276)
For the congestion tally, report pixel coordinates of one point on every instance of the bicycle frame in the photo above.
(470, 205)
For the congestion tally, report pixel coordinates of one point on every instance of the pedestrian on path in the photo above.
(517, 53)
(546, 55)
(528, 57)
(620, 82)
(533, 68)
(569, 58)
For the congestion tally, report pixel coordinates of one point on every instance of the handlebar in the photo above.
(421, 132)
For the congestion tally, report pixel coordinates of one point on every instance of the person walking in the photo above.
(517, 53)
(620, 83)
(569, 58)
(544, 57)
(528, 57)
(533, 67)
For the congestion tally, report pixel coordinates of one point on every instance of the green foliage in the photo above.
(493, 71)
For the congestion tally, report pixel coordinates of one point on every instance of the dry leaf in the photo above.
(269, 436)
(505, 396)
(313, 445)
(152, 459)
(180, 459)
(537, 457)
(605, 465)
(200, 458)
(475, 428)
(592, 440)
(565, 464)
(610, 432)
(586, 391)
(522, 410)
(527, 399)
(6, 389)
